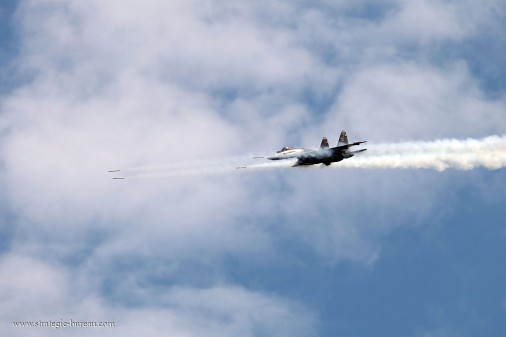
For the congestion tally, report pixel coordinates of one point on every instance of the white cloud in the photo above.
(129, 83)
(36, 291)
(426, 20)
(27, 285)
(412, 101)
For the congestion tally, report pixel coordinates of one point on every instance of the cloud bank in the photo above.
(113, 84)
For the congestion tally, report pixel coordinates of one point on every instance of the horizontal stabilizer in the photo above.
(358, 151)
(346, 146)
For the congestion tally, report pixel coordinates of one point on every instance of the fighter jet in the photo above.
(325, 155)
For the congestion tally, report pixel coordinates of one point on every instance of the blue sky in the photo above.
(8, 52)
(95, 85)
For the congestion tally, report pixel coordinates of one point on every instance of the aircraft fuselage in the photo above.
(324, 155)
(313, 157)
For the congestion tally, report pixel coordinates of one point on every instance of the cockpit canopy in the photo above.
(285, 148)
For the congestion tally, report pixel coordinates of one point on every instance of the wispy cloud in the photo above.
(114, 84)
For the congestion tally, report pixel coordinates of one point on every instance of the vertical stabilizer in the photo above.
(343, 139)
(324, 144)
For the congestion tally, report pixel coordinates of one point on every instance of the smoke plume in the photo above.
(489, 152)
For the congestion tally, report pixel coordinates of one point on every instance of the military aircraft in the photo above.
(325, 155)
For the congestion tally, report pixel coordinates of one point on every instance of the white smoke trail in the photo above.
(489, 152)
(195, 164)
(214, 166)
